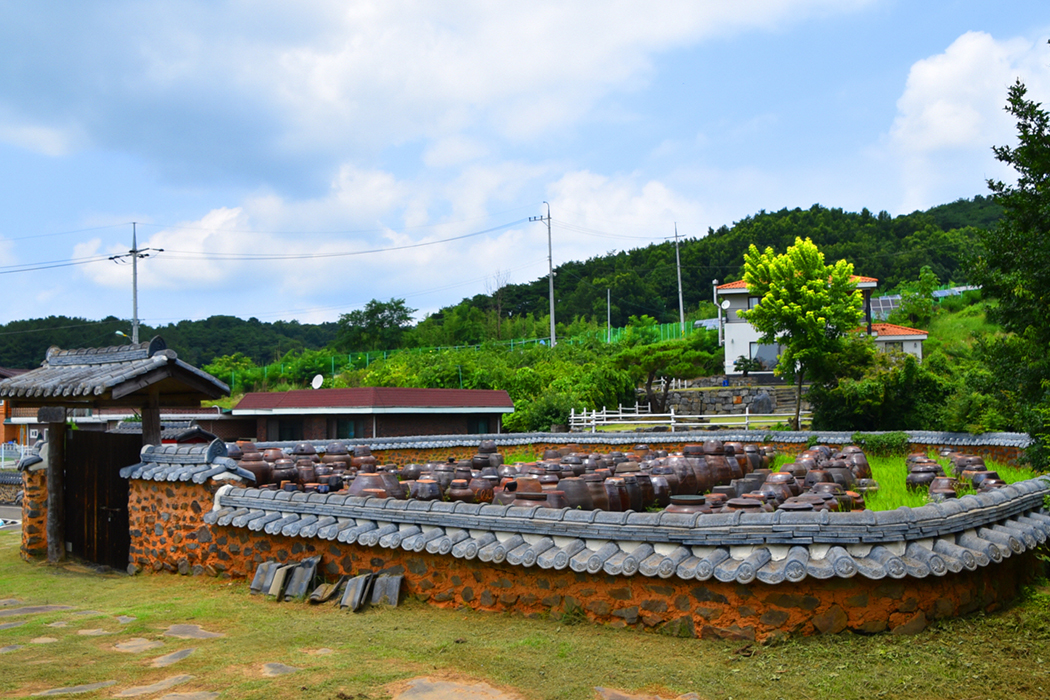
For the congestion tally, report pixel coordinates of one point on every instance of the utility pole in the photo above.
(135, 253)
(550, 265)
(678, 264)
(608, 315)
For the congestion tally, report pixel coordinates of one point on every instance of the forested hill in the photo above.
(23, 344)
(641, 281)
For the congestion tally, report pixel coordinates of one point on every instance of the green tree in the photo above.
(806, 306)
(379, 326)
(1013, 267)
(917, 307)
(694, 356)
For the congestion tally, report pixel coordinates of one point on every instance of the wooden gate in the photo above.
(96, 497)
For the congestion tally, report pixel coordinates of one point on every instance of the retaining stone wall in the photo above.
(168, 534)
(34, 515)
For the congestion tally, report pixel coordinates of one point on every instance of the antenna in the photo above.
(135, 253)
(317, 381)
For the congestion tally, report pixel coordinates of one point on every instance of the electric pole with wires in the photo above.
(134, 254)
(550, 264)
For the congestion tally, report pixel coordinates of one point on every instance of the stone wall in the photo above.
(34, 515)
(168, 535)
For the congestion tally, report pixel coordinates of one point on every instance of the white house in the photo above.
(741, 338)
(890, 337)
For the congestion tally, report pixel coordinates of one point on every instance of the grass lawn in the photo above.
(995, 656)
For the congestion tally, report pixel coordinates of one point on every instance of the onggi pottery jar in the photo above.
(616, 491)
(688, 504)
(576, 493)
(482, 488)
(425, 490)
(596, 489)
(459, 491)
(530, 499)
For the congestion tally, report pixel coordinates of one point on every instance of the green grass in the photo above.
(988, 655)
(891, 472)
(953, 333)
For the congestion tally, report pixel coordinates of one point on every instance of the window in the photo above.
(767, 355)
(477, 426)
(289, 429)
(752, 302)
(893, 347)
(345, 428)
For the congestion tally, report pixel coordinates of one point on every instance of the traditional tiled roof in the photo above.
(375, 398)
(965, 533)
(892, 329)
(170, 431)
(6, 372)
(81, 376)
(196, 463)
(741, 284)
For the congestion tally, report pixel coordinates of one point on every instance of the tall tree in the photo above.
(806, 306)
(1013, 267)
(378, 326)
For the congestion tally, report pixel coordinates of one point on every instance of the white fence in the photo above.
(11, 453)
(640, 416)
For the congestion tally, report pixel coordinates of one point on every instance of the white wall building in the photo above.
(742, 339)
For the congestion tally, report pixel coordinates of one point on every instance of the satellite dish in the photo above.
(317, 381)
(725, 305)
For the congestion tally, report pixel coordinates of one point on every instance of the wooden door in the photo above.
(96, 497)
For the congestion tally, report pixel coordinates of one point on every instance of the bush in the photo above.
(890, 444)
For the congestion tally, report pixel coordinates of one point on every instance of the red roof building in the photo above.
(369, 412)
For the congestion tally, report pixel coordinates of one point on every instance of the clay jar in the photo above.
(616, 491)
(556, 499)
(670, 476)
(645, 483)
(661, 488)
(748, 505)
(596, 489)
(424, 490)
(576, 493)
(284, 470)
(530, 499)
(305, 470)
(687, 483)
(273, 454)
(482, 488)
(411, 472)
(261, 470)
(634, 493)
(815, 476)
(366, 481)
(460, 491)
(689, 504)
(393, 487)
(786, 479)
(529, 484)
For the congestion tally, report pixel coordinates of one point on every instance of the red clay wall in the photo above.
(168, 534)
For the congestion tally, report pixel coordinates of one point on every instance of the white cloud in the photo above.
(951, 112)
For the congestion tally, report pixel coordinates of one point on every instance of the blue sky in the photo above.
(241, 135)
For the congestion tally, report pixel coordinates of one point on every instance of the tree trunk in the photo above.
(798, 399)
(649, 396)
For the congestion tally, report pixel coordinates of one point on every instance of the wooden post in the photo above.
(55, 418)
(151, 419)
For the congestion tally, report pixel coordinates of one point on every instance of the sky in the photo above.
(296, 160)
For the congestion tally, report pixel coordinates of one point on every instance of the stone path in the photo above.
(32, 610)
(169, 659)
(431, 689)
(125, 619)
(137, 645)
(275, 669)
(11, 647)
(155, 688)
(75, 689)
(6, 602)
(11, 625)
(43, 640)
(190, 632)
(93, 632)
(59, 623)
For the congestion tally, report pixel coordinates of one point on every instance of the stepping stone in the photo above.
(11, 625)
(92, 633)
(10, 648)
(74, 689)
(190, 632)
(169, 659)
(613, 694)
(125, 619)
(43, 640)
(430, 689)
(321, 652)
(6, 602)
(85, 613)
(274, 669)
(155, 688)
(33, 610)
(60, 623)
(198, 695)
(136, 645)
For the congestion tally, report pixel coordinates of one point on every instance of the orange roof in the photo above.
(741, 284)
(882, 329)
